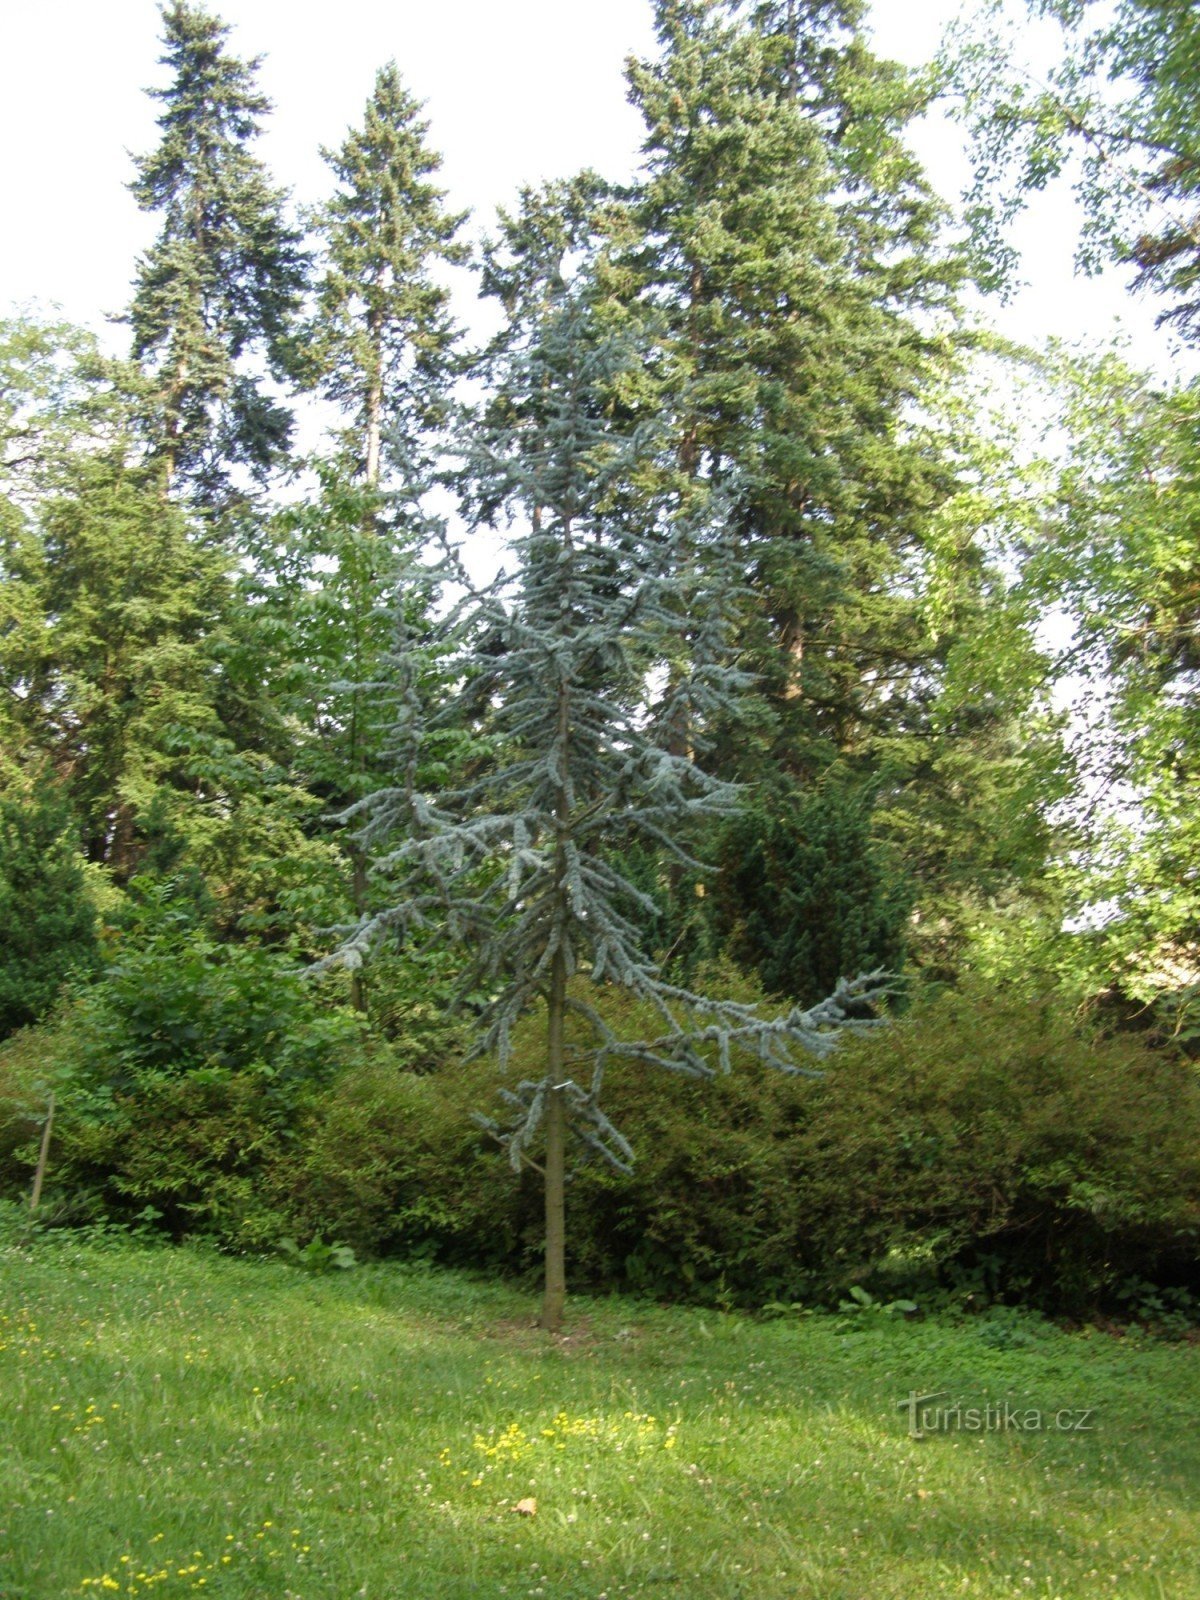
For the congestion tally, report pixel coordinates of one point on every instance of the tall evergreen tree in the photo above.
(779, 257)
(132, 661)
(217, 294)
(523, 861)
(789, 248)
(383, 340)
(382, 347)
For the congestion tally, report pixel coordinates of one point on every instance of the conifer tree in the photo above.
(789, 248)
(383, 338)
(217, 294)
(104, 661)
(782, 253)
(132, 663)
(523, 861)
(807, 893)
(382, 347)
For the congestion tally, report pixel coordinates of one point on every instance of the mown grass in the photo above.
(172, 1422)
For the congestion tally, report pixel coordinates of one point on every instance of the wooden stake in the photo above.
(43, 1156)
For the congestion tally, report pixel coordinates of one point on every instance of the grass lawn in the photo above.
(175, 1423)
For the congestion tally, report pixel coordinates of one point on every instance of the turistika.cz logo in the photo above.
(926, 1415)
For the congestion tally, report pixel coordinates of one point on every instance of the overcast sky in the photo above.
(515, 93)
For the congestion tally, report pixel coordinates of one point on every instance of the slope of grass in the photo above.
(175, 1423)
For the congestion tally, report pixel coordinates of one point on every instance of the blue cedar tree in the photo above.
(522, 862)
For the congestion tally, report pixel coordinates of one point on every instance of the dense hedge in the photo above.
(979, 1139)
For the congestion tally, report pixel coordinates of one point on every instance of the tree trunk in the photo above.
(374, 423)
(792, 644)
(555, 1294)
(556, 1110)
(43, 1157)
(374, 430)
(374, 401)
(358, 981)
(173, 426)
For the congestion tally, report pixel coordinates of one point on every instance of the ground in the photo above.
(173, 1423)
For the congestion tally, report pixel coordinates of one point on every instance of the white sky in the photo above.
(515, 93)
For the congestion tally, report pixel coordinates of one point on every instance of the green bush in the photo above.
(178, 1072)
(47, 922)
(178, 1004)
(192, 1149)
(986, 1135)
(979, 1141)
(391, 1161)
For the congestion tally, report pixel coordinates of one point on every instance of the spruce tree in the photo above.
(383, 340)
(522, 862)
(133, 659)
(123, 685)
(382, 347)
(789, 249)
(217, 294)
(783, 254)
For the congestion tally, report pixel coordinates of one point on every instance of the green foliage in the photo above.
(29, 1061)
(786, 256)
(175, 1004)
(392, 1163)
(980, 1130)
(47, 922)
(978, 1150)
(132, 659)
(1113, 110)
(179, 1070)
(317, 1256)
(805, 893)
(1118, 549)
(121, 690)
(985, 1129)
(859, 1302)
(191, 1147)
(416, 1002)
(218, 291)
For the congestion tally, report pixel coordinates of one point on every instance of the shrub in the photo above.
(987, 1133)
(47, 922)
(178, 1004)
(178, 1071)
(979, 1140)
(391, 1161)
